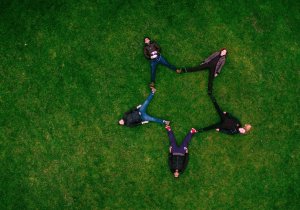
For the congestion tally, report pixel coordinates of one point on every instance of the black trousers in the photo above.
(211, 66)
(220, 113)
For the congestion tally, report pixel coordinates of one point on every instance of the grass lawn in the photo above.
(70, 69)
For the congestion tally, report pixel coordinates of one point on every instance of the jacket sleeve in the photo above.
(186, 160)
(211, 57)
(157, 47)
(237, 121)
(131, 110)
(137, 123)
(146, 53)
(211, 127)
(134, 125)
(226, 131)
(220, 64)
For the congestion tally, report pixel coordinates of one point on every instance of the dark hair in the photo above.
(178, 162)
(146, 37)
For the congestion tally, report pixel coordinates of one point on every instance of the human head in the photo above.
(121, 122)
(147, 40)
(245, 129)
(176, 173)
(223, 52)
(178, 163)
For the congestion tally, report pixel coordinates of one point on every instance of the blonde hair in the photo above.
(247, 127)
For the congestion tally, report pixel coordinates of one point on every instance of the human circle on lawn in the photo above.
(228, 124)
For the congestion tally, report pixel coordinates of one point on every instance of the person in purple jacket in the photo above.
(214, 63)
(178, 155)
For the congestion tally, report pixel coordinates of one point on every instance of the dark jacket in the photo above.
(150, 48)
(178, 162)
(220, 61)
(229, 125)
(133, 118)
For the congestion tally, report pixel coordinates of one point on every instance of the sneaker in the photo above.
(167, 122)
(168, 128)
(193, 130)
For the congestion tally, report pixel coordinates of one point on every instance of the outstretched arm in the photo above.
(228, 131)
(156, 46)
(212, 56)
(220, 64)
(211, 127)
(132, 109)
(146, 53)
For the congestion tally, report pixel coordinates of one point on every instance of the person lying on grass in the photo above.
(138, 115)
(178, 155)
(229, 124)
(214, 63)
(152, 53)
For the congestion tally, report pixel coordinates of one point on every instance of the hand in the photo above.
(153, 90)
(178, 71)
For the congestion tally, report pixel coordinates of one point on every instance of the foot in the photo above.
(151, 85)
(193, 130)
(178, 71)
(167, 122)
(168, 128)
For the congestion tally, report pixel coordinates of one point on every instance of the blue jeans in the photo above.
(144, 115)
(160, 59)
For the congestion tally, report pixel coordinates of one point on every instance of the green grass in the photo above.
(70, 69)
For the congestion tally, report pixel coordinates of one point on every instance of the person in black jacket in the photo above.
(178, 155)
(229, 124)
(138, 115)
(152, 53)
(214, 63)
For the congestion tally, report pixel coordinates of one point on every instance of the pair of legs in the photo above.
(211, 67)
(160, 59)
(144, 115)
(217, 107)
(220, 113)
(183, 147)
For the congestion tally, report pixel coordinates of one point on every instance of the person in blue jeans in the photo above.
(178, 155)
(152, 53)
(138, 115)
